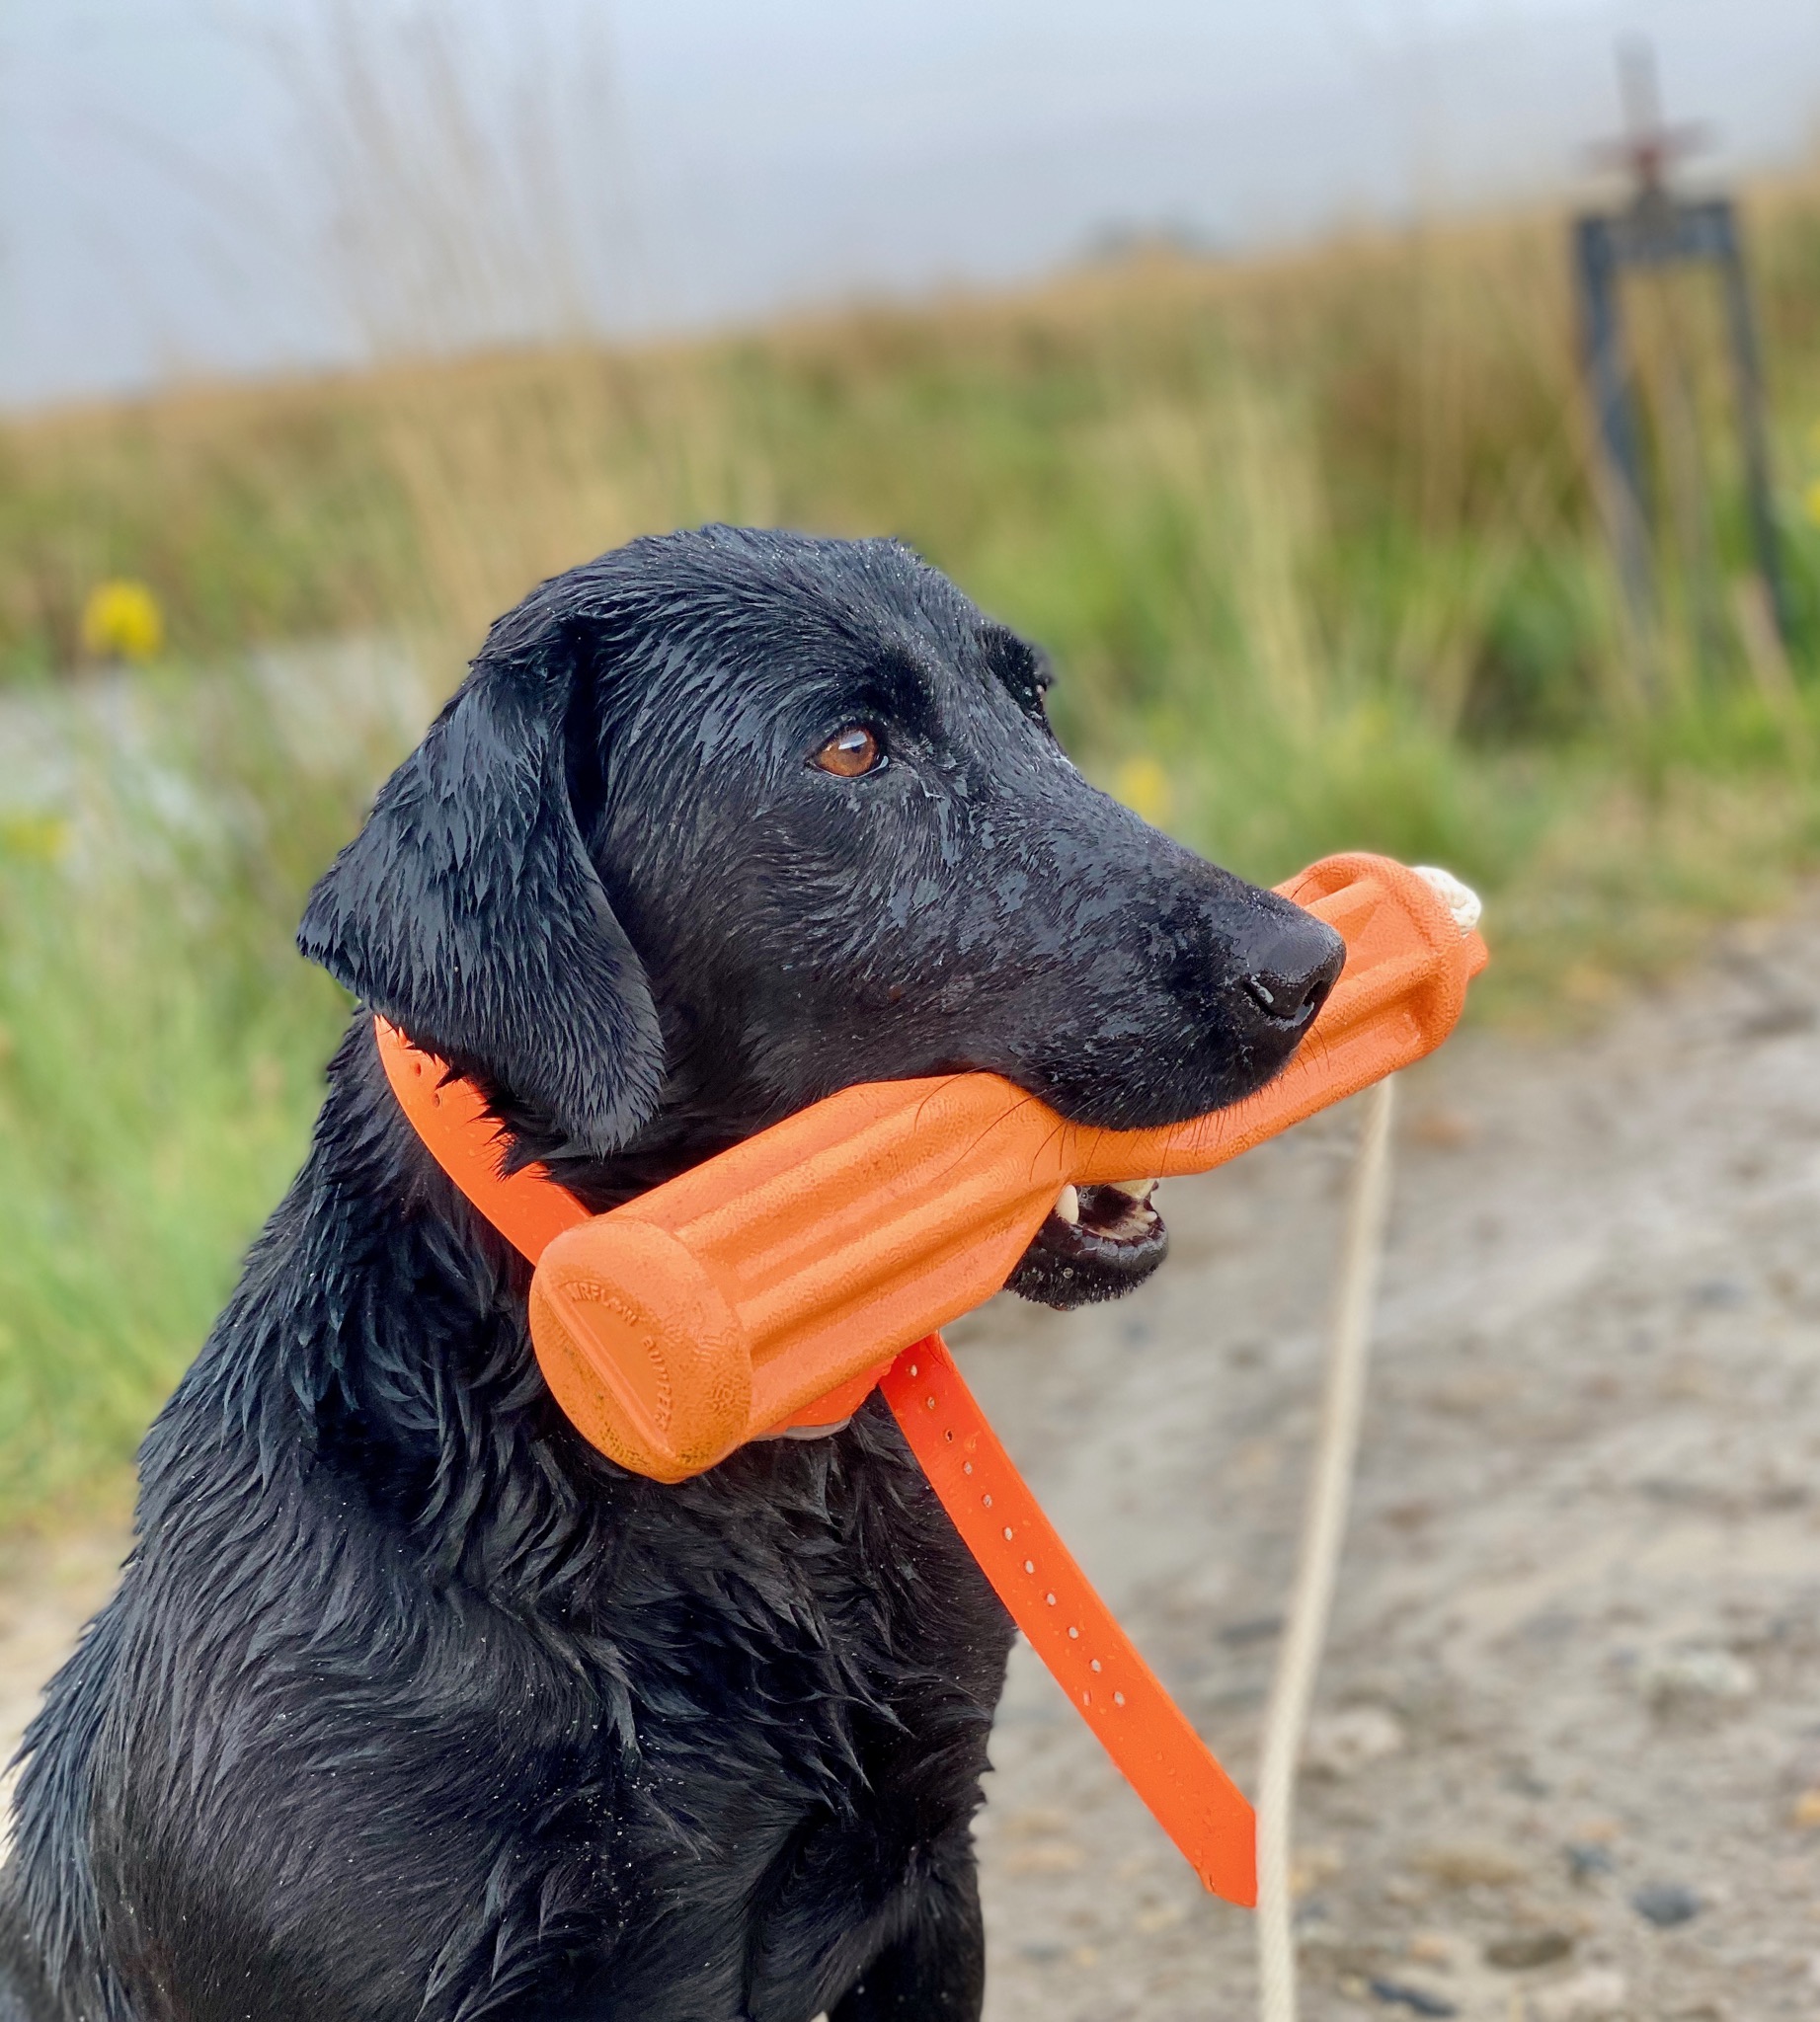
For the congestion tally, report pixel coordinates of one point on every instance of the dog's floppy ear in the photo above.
(467, 910)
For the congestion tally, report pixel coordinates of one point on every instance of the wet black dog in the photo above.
(410, 1705)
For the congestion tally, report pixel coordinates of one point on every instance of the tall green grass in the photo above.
(1361, 463)
(161, 1044)
(1311, 541)
(160, 1056)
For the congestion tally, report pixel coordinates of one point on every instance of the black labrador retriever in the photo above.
(411, 1707)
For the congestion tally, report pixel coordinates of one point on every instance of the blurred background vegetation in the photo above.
(1312, 538)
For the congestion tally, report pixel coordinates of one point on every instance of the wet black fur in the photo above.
(410, 1705)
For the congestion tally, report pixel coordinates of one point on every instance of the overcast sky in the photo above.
(197, 185)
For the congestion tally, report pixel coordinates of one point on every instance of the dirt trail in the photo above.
(1574, 1660)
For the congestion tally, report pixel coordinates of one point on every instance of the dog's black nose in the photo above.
(1291, 963)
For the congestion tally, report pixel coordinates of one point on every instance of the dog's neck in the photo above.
(379, 1337)
(693, 1123)
(377, 1351)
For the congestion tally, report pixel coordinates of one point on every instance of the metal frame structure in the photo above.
(1658, 229)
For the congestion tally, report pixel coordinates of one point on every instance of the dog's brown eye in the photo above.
(850, 752)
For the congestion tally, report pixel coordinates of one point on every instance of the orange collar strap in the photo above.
(1114, 1691)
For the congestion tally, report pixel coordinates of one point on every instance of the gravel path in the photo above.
(1574, 1662)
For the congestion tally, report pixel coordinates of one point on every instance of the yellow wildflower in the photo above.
(1144, 786)
(122, 621)
(33, 839)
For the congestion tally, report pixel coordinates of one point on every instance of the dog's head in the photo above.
(725, 821)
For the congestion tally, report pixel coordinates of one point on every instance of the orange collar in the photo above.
(528, 1207)
(998, 1517)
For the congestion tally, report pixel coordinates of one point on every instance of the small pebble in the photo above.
(1585, 1860)
(1343, 1743)
(1676, 1677)
(1805, 1811)
(1467, 1866)
(1522, 1950)
(1666, 1903)
(1256, 1629)
(1589, 1996)
(1440, 1129)
(1417, 1999)
(1312, 1866)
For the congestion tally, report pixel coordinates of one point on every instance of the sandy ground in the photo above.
(1573, 1667)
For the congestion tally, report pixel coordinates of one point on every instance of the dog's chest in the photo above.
(805, 1635)
(801, 1586)
(812, 1658)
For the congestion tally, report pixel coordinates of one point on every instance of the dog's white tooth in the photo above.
(1139, 1191)
(1068, 1204)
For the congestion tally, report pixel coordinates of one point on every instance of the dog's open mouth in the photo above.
(1097, 1243)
